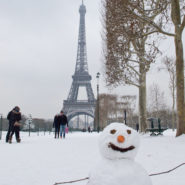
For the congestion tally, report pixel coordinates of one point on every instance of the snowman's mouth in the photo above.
(116, 148)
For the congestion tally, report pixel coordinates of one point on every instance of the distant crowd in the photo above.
(60, 124)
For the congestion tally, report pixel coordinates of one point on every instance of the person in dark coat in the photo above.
(13, 116)
(56, 125)
(89, 129)
(63, 123)
(137, 127)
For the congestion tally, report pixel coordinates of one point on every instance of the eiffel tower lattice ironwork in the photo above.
(81, 78)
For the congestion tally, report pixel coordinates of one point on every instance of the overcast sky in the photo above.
(38, 48)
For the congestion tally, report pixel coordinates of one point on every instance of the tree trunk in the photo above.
(142, 103)
(176, 18)
(180, 82)
(173, 108)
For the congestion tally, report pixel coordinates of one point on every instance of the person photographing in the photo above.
(14, 117)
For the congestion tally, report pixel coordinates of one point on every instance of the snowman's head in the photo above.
(118, 141)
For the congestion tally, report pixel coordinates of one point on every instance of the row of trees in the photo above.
(132, 33)
(36, 124)
(112, 109)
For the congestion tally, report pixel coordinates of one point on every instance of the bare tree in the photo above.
(169, 12)
(128, 51)
(156, 100)
(129, 105)
(107, 102)
(111, 109)
(169, 66)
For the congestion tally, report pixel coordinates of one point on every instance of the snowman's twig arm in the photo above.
(167, 171)
(71, 181)
(149, 175)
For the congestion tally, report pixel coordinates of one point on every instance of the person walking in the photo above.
(63, 123)
(137, 127)
(56, 125)
(89, 129)
(9, 126)
(14, 117)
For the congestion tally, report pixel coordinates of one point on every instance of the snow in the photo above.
(43, 160)
(118, 172)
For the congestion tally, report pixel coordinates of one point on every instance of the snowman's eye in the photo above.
(129, 131)
(113, 131)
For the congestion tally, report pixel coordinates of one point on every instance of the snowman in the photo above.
(118, 146)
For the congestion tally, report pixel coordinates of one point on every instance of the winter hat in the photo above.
(16, 108)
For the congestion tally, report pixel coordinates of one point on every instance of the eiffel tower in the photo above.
(81, 78)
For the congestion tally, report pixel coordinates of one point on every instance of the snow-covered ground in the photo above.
(43, 160)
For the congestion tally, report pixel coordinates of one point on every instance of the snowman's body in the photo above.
(118, 172)
(118, 146)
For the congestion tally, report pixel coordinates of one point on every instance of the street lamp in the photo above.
(125, 117)
(29, 122)
(38, 129)
(1, 125)
(98, 116)
(44, 128)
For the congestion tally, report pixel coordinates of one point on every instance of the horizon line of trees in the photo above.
(117, 105)
(36, 124)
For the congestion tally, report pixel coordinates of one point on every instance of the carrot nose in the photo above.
(120, 139)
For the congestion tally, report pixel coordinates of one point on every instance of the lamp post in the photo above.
(98, 116)
(1, 125)
(44, 128)
(38, 129)
(125, 117)
(29, 122)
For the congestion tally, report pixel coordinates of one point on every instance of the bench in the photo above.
(156, 131)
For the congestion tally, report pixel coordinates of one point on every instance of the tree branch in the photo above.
(149, 21)
(149, 33)
(167, 171)
(129, 82)
(72, 181)
(183, 24)
(133, 69)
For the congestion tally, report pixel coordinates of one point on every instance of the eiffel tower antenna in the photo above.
(81, 61)
(81, 78)
(82, 1)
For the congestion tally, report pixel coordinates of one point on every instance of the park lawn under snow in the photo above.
(43, 160)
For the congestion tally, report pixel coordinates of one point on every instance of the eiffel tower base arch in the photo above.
(72, 109)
